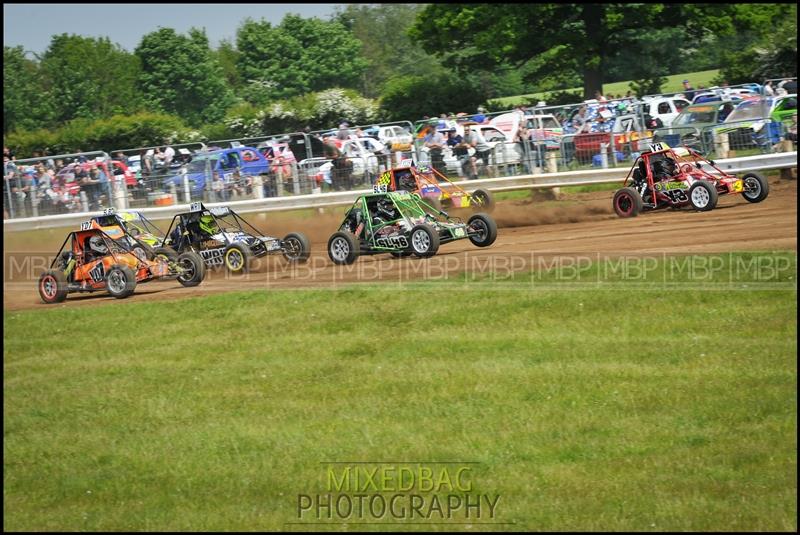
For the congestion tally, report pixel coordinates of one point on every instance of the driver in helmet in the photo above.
(385, 211)
(97, 248)
(208, 225)
(200, 228)
(664, 169)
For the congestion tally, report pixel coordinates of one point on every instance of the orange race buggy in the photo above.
(89, 261)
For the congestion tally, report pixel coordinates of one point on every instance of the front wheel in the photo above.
(703, 196)
(482, 230)
(237, 258)
(756, 187)
(120, 281)
(424, 241)
(193, 269)
(343, 248)
(483, 200)
(296, 247)
(627, 202)
(53, 286)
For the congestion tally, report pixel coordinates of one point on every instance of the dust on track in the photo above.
(584, 224)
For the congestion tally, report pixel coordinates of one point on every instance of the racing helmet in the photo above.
(98, 245)
(385, 205)
(207, 224)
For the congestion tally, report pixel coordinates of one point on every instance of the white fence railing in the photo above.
(781, 160)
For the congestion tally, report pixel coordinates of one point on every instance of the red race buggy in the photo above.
(664, 177)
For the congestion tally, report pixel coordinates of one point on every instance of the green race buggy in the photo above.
(402, 224)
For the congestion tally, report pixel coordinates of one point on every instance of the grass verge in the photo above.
(628, 408)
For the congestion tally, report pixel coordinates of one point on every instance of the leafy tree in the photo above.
(298, 56)
(180, 76)
(562, 38)
(411, 97)
(389, 51)
(89, 77)
(761, 45)
(227, 57)
(26, 105)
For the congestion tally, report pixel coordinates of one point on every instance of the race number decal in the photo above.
(109, 211)
(657, 147)
(86, 225)
(98, 272)
(379, 188)
(195, 207)
(394, 242)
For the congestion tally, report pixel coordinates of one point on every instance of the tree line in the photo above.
(384, 62)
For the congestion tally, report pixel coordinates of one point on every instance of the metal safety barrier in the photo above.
(781, 160)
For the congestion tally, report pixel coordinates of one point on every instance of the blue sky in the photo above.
(32, 25)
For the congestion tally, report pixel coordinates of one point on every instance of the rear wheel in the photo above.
(120, 281)
(424, 241)
(297, 247)
(237, 258)
(193, 269)
(756, 187)
(140, 252)
(53, 286)
(703, 196)
(343, 248)
(483, 200)
(627, 202)
(483, 230)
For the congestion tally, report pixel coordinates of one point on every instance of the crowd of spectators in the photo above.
(48, 186)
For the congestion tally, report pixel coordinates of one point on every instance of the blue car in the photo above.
(225, 163)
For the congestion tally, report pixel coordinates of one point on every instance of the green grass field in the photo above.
(637, 407)
(674, 83)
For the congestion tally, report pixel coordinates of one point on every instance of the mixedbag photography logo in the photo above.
(398, 492)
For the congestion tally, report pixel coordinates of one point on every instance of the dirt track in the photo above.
(582, 227)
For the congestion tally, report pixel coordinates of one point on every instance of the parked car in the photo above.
(226, 164)
(665, 109)
(626, 131)
(395, 137)
(692, 126)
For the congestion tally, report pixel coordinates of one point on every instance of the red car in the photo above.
(673, 178)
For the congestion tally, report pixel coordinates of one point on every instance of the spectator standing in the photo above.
(120, 157)
(523, 139)
(168, 155)
(480, 117)
(474, 138)
(688, 90)
(343, 133)
(87, 187)
(791, 129)
(580, 122)
(435, 143)
(769, 91)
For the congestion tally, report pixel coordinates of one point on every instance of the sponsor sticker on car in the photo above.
(737, 186)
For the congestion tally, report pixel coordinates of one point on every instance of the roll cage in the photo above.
(188, 223)
(79, 243)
